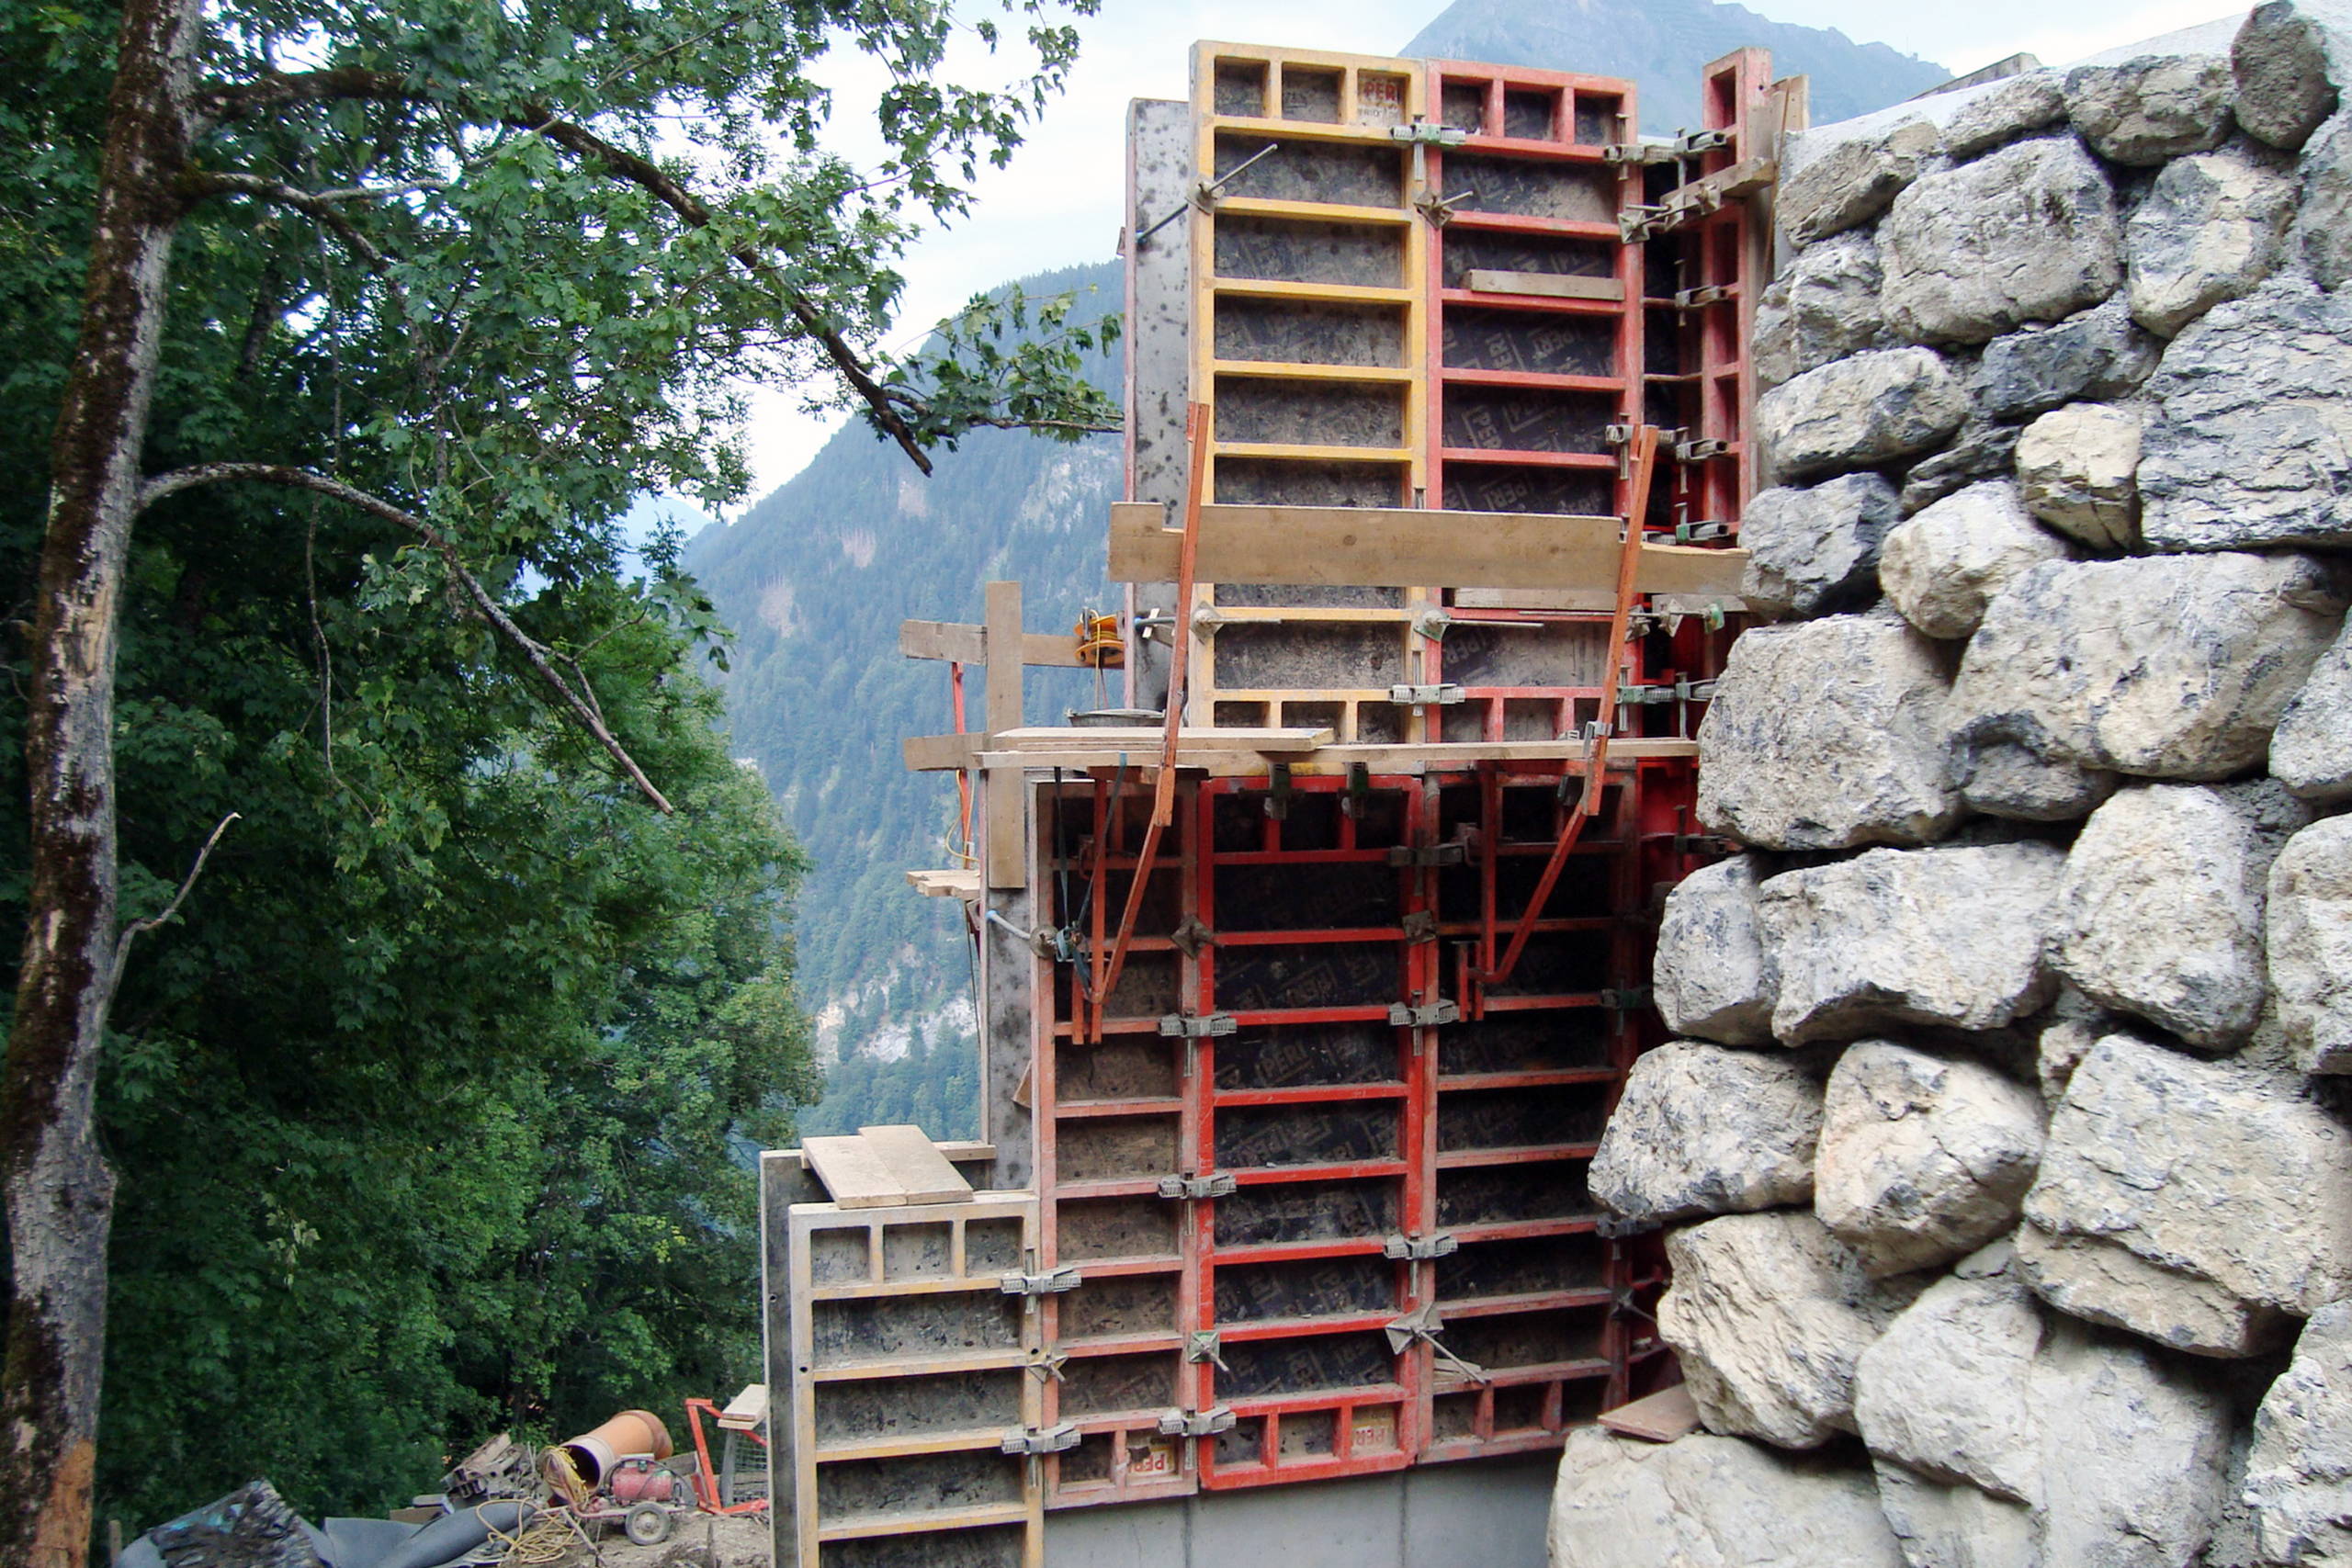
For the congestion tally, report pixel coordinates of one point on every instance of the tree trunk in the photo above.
(58, 1190)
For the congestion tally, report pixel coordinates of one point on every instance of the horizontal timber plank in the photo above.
(1402, 547)
(953, 883)
(1551, 285)
(916, 1164)
(853, 1173)
(1140, 743)
(1335, 761)
(968, 644)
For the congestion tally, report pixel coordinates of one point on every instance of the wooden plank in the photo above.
(853, 1173)
(1550, 285)
(1744, 178)
(966, 1153)
(1662, 1417)
(932, 753)
(1371, 546)
(1004, 676)
(1406, 757)
(968, 644)
(1097, 738)
(915, 1164)
(1005, 826)
(747, 1410)
(955, 882)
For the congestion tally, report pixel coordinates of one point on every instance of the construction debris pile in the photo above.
(2004, 1129)
(507, 1503)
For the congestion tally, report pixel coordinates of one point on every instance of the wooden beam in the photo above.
(1371, 546)
(1004, 674)
(853, 1172)
(1550, 285)
(1744, 178)
(953, 883)
(1331, 762)
(918, 1167)
(1141, 746)
(936, 753)
(968, 644)
(1665, 1416)
(1005, 826)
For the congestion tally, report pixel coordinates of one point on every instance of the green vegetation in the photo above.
(429, 1108)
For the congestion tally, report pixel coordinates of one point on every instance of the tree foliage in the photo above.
(429, 1105)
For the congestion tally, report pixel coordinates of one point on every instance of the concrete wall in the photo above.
(1487, 1514)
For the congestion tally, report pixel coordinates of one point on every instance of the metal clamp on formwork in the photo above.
(1419, 1251)
(1699, 533)
(1644, 152)
(1700, 450)
(1048, 1365)
(1048, 1284)
(1681, 692)
(1434, 625)
(1052, 1440)
(1612, 1228)
(1190, 936)
(1691, 143)
(1445, 694)
(1202, 1423)
(1202, 1345)
(1404, 1015)
(1625, 998)
(1206, 192)
(1178, 1026)
(1419, 926)
(1427, 135)
(1636, 222)
(1357, 791)
(1403, 855)
(1278, 792)
(1424, 1325)
(1222, 1185)
(1705, 294)
(1703, 844)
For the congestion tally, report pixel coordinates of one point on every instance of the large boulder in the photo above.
(1852, 181)
(2027, 234)
(2203, 1204)
(1708, 1502)
(2012, 107)
(2160, 912)
(1922, 1159)
(1711, 976)
(1860, 412)
(2311, 751)
(1815, 551)
(2249, 440)
(2077, 470)
(2310, 947)
(1769, 1313)
(2057, 1446)
(1827, 734)
(2091, 356)
(2322, 233)
(1983, 449)
(1824, 306)
(1707, 1130)
(2285, 61)
(2209, 229)
(2299, 1476)
(1943, 566)
(1945, 937)
(2152, 109)
(2167, 666)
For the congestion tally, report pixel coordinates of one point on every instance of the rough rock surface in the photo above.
(2322, 233)
(2003, 767)
(1769, 1313)
(1861, 411)
(2027, 234)
(2005, 111)
(1953, 1526)
(1852, 182)
(2310, 915)
(1815, 551)
(1922, 1160)
(2250, 440)
(2280, 65)
(2199, 1204)
(2148, 109)
(1942, 567)
(1825, 306)
(1712, 978)
(1859, 761)
(1981, 450)
(2059, 1446)
(1709, 1502)
(1950, 936)
(2299, 1477)
(2093, 356)
(2076, 467)
(2160, 913)
(2311, 751)
(2167, 666)
(2209, 230)
(1709, 1130)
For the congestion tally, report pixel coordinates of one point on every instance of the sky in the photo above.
(1058, 203)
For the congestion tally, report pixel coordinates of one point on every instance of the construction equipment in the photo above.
(745, 1415)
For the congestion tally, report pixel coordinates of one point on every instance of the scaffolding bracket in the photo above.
(1222, 1185)
(1052, 1440)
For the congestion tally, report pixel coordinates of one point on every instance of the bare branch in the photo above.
(316, 208)
(536, 653)
(122, 943)
(225, 101)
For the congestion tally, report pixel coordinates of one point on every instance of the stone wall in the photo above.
(2003, 1155)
